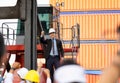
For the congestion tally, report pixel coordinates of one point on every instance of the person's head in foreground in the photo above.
(118, 32)
(69, 72)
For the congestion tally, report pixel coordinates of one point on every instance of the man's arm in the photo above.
(47, 72)
(61, 50)
(42, 39)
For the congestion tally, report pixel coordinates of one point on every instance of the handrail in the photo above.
(9, 32)
(75, 39)
(75, 29)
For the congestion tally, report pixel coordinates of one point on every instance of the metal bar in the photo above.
(30, 35)
(17, 11)
(28, 55)
(34, 34)
(40, 24)
(91, 12)
(58, 26)
(78, 37)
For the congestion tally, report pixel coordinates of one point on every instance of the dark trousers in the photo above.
(51, 63)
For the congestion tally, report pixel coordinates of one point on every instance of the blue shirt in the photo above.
(55, 48)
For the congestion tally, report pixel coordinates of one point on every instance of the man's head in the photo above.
(69, 72)
(118, 29)
(68, 62)
(118, 32)
(2, 47)
(52, 33)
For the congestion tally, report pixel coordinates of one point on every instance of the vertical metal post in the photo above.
(34, 34)
(27, 56)
(58, 25)
(30, 35)
(78, 35)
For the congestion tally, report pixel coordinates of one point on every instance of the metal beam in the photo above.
(17, 11)
(34, 34)
(30, 35)
(25, 10)
(27, 56)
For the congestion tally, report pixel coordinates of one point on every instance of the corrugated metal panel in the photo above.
(77, 5)
(92, 26)
(92, 78)
(96, 56)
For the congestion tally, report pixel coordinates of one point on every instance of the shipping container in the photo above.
(98, 20)
(92, 78)
(96, 56)
(82, 5)
(92, 26)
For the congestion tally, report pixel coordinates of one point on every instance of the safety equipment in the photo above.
(70, 73)
(32, 76)
(51, 30)
(22, 72)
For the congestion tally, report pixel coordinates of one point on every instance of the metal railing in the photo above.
(75, 37)
(9, 33)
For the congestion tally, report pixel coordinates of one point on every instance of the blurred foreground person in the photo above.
(2, 53)
(44, 73)
(2, 48)
(69, 72)
(4, 63)
(112, 73)
(19, 75)
(10, 76)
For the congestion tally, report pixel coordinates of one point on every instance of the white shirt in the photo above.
(9, 78)
(48, 80)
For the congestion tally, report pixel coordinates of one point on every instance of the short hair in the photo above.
(118, 29)
(2, 45)
(68, 62)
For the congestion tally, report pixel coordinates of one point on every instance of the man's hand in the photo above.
(16, 65)
(42, 33)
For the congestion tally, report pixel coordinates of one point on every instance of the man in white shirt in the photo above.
(9, 77)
